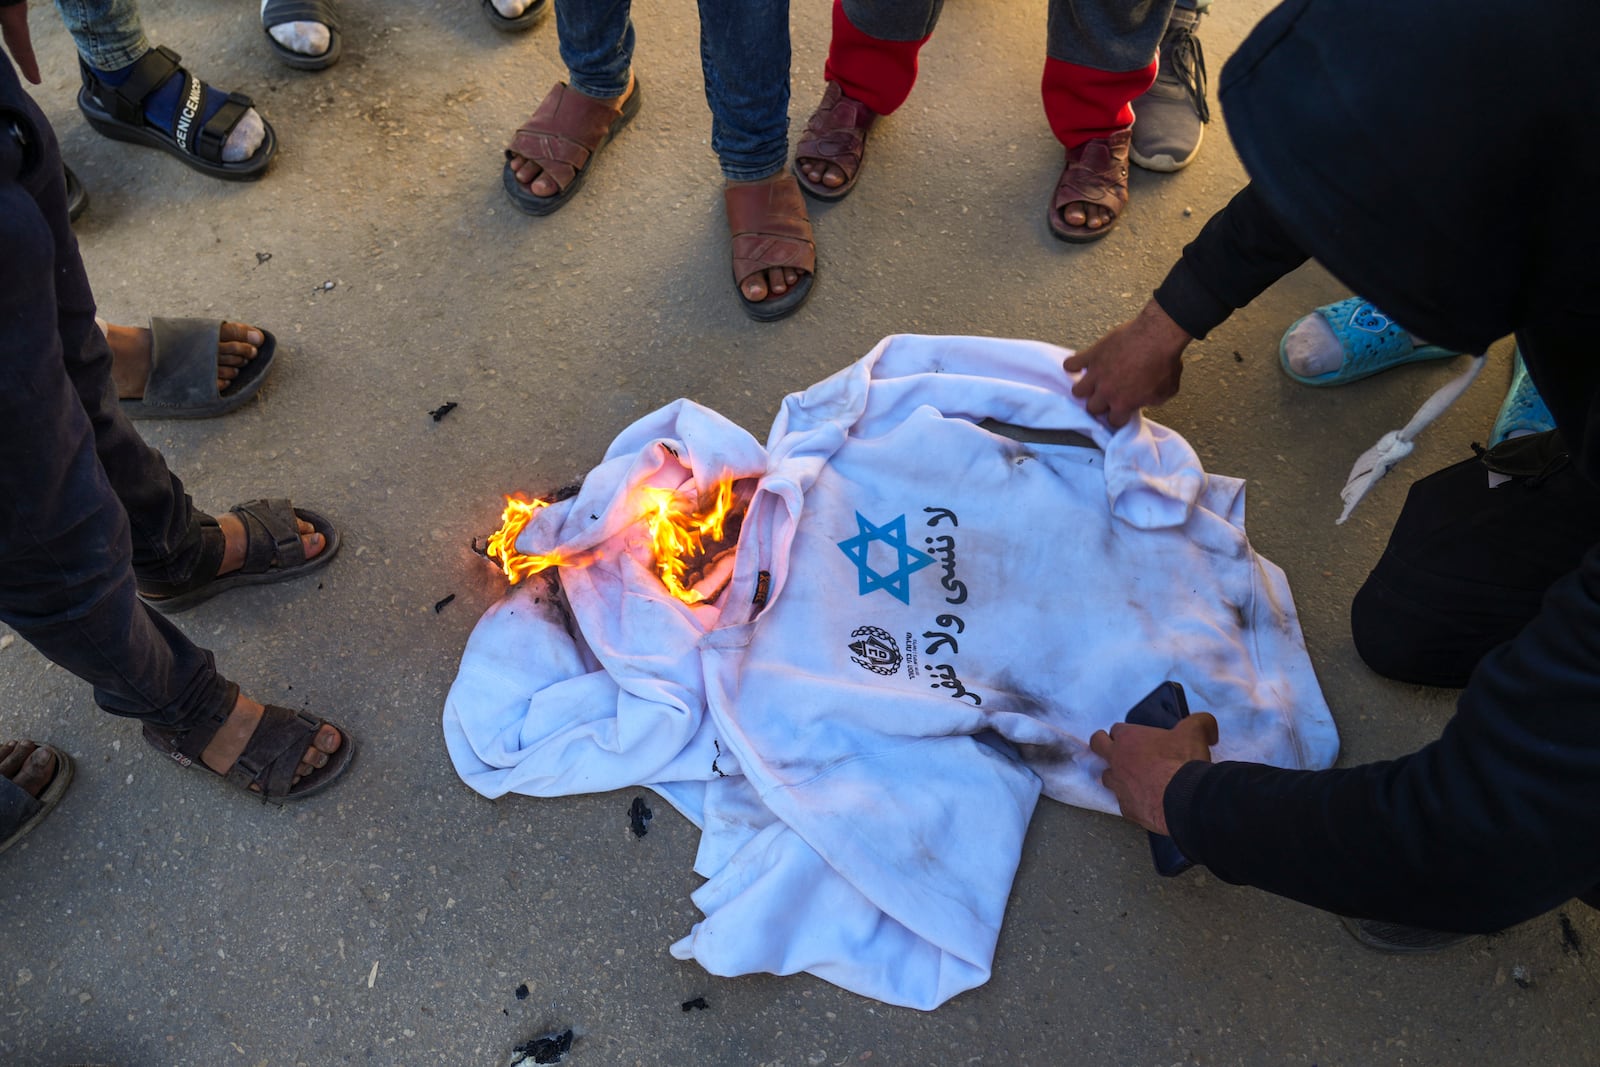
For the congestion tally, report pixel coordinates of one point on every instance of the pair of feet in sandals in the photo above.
(156, 102)
(36, 775)
(1089, 195)
(774, 250)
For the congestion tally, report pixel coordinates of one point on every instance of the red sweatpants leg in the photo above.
(1082, 103)
(878, 73)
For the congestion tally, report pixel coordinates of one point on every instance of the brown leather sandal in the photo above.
(770, 229)
(562, 137)
(837, 134)
(1096, 173)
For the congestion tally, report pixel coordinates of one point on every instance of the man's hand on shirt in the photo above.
(1136, 364)
(14, 31)
(1141, 760)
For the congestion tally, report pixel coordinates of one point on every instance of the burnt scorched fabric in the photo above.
(948, 577)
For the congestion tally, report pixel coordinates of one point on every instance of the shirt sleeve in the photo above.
(1494, 823)
(1238, 254)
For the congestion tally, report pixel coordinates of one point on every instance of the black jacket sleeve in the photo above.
(1494, 823)
(1238, 254)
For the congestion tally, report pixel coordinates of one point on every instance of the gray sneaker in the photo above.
(1169, 120)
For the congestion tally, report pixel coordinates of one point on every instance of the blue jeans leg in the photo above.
(83, 501)
(108, 33)
(744, 52)
(596, 38)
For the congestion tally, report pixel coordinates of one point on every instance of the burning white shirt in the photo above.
(926, 621)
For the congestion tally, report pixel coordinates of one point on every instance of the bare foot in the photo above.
(130, 356)
(232, 737)
(30, 766)
(532, 177)
(775, 281)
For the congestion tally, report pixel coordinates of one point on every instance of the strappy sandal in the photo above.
(266, 767)
(1096, 173)
(278, 12)
(562, 137)
(117, 111)
(770, 229)
(183, 372)
(273, 553)
(837, 134)
(525, 21)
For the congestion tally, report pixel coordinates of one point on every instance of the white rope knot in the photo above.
(1395, 445)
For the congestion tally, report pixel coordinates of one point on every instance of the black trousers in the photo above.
(1467, 564)
(84, 503)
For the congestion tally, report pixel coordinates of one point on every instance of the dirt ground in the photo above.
(158, 919)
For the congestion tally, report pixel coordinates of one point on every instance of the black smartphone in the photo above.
(1165, 705)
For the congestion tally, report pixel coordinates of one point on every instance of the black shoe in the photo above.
(77, 196)
(1399, 938)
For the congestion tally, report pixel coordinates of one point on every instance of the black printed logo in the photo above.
(874, 649)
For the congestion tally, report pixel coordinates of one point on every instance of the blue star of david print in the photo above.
(897, 582)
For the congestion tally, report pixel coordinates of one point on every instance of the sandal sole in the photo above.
(184, 601)
(783, 306)
(522, 23)
(300, 61)
(822, 192)
(529, 204)
(248, 170)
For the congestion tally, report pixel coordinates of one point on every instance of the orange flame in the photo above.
(503, 542)
(677, 534)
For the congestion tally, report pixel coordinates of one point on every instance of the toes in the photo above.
(36, 772)
(755, 288)
(1074, 214)
(833, 176)
(309, 538)
(237, 337)
(777, 284)
(16, 754)
(327, 740)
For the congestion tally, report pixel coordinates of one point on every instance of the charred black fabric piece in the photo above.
(442, 604)
(522, 991)
(547, 1048)
(639, 816)
(697, 1004)
(443, 409)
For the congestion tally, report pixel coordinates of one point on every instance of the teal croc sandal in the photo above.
(1372, 343)
(1523, 411)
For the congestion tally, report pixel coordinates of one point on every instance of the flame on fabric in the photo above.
(503, 542)
(676, 531)
(678, 534)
